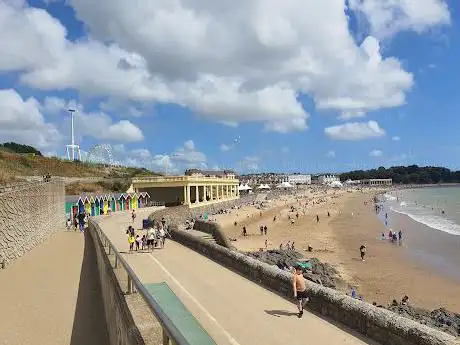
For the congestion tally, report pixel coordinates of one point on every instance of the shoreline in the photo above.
(336, 241)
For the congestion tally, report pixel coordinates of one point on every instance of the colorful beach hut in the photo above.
(71, 206)
(134, 201)
(87, 203)
(122, 202)
(97, 205)
(143, 199)
(113, 203)
(93, 205)
(127, 201)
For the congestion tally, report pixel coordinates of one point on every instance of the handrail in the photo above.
(170, 331)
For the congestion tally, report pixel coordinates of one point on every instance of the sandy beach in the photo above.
(386, 274)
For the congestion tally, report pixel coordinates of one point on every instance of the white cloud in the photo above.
(387, 17)
(184, 157)
(22, 121)
(396, 138)
(330, 154)
(95, 124)
(231, 62)
(376, 153)
(225, 147)
(355, 131)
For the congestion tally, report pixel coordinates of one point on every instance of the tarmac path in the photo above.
(232, 309)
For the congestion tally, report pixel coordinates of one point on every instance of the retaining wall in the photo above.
(121, 326)
(213, 229)
(376, 323)
(28, 215)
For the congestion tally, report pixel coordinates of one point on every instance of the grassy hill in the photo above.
(15, 166)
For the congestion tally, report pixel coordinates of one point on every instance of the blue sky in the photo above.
(264, 86)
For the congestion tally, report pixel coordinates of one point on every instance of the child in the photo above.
(138, 242)
(68, 223)
(144, 242)
(131, 241)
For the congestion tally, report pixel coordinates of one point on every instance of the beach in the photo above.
(387, 273)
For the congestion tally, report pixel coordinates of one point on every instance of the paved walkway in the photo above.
(231, 308)
(51, 295)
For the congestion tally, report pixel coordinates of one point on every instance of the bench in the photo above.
(176, 311)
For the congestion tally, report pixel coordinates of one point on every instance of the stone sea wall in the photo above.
(28, 215)
(213, 229)
(379, 324)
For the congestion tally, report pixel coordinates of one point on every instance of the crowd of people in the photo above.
(154, 236)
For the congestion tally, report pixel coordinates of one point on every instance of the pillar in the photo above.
(185, 195)
(197, 193)
(226, 191)
(188, 195)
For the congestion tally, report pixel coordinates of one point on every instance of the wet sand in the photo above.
(387, 273)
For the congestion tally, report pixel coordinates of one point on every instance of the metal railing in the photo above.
(171, 334)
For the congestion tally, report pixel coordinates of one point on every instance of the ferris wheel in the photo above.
(101, 154)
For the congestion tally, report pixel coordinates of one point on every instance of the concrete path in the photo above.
(232, 309)
(51, 295)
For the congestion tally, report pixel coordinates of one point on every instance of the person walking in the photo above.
(162, 235)
(245, 232)
(317, 219)
(299, 288)
(81, 221)
(265, 230)
(150, 238)
(133, 215)
(362, 251)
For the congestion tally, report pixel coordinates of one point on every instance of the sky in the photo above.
(251, 85)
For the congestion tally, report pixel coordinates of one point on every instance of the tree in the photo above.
(20, 148)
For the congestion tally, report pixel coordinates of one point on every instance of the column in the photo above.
(185, 195)
(197, 193)
(188, 196)
(226, 191)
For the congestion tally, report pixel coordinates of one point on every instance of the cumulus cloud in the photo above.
(355, 131)
(184, 157)
(22, 120)
(375, 153)
(230, 62)
(225, 147)
(387, 17)
(96, 124)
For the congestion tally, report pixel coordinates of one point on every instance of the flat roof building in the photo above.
(195, 188)
(377, 182)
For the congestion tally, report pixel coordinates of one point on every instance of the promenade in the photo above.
(52, 295)
(232, 309)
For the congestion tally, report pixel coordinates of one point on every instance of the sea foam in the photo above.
(432, 221)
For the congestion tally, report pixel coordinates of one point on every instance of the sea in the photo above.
(429, 219)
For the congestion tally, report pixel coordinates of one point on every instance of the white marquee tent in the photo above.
(285, 185)
(263, 186)
(244, 187)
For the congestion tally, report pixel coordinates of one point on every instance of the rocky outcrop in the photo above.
(440, 318)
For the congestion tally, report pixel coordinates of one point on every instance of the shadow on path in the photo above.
(279, 313)
(89, 324)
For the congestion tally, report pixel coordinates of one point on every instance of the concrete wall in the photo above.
(379, 324)
(121, 326)
(215, 230)
(28, 215)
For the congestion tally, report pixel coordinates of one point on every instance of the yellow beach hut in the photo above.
(134, 201)
(87, 203)
(105, 198)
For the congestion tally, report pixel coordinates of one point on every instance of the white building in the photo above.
(327, 179)
(299, 179)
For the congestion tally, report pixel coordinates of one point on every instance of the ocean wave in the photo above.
(433, 221)
(389, 197)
